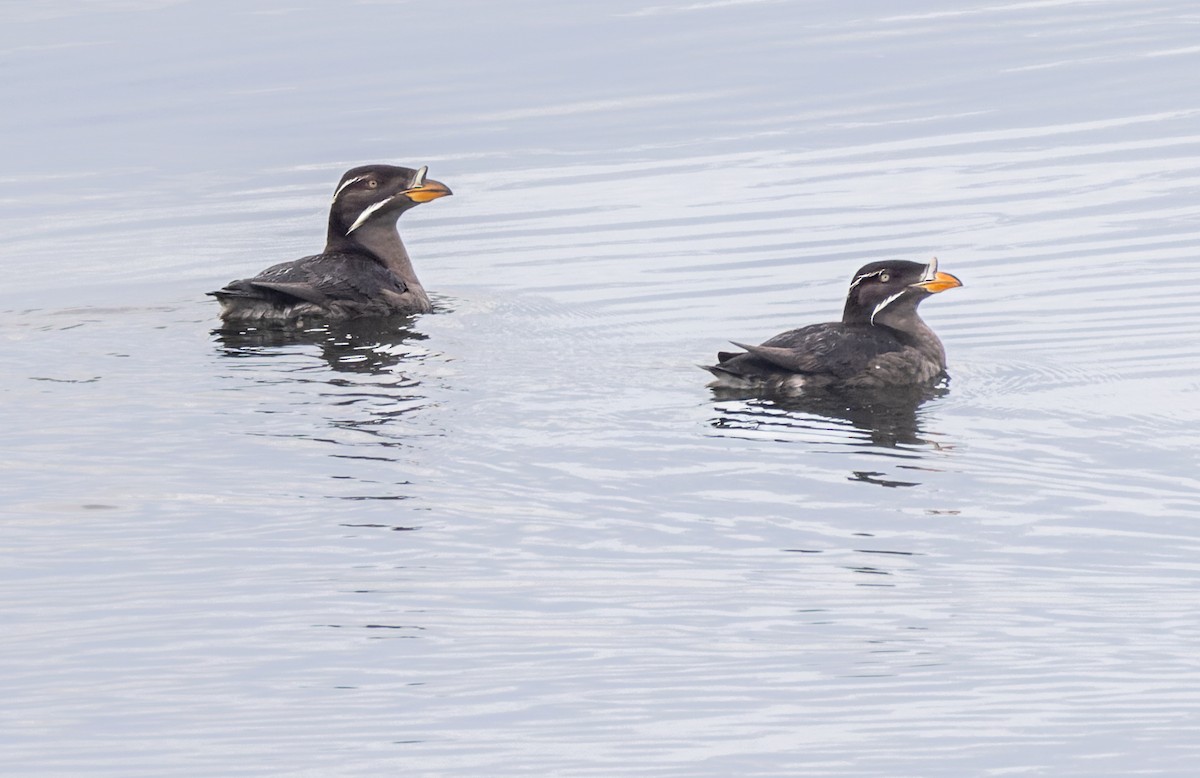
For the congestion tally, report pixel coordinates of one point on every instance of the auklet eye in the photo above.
(884, 277)
(372, 183)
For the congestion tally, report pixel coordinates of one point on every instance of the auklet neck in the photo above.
(912, 329)
(381, 241)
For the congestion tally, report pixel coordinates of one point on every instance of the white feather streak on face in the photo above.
(366, 214)
(885, 304)
(864, 277)
(343, 186)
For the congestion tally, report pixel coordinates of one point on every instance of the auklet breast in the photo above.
(364, 270)
(881, 341)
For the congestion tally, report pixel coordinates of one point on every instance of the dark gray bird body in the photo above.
(365, 269)
(881, 342)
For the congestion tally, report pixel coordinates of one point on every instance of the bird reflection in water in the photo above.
(355, 346)
(357, 392)
(888, 420)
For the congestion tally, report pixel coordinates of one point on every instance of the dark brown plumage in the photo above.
(365, 269)
(880, 342)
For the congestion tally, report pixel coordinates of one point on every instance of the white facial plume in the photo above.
(367, 212)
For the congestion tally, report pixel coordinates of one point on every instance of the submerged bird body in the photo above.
(880, 342)
(365, 269)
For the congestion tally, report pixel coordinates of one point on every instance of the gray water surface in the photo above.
(519, 536)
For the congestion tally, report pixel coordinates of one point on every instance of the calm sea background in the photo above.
(519, 536)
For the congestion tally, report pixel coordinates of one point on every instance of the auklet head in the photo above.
(887, 293)
(372, 197)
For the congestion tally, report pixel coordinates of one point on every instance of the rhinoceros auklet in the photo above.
(364, 270)
(880, 342)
